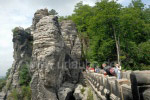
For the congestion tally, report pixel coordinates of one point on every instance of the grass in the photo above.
(82, 90)
(90, 95)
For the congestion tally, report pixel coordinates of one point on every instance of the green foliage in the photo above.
(99, 23)
(24, 93)
(81, 16)
(2, 83)
(52, 12)
(24, 74)
(82, 90)
(144, 52)
(17, 30)
(3, 80)
(90, 95)
(94, 64)
(8, 73)
(61, 18)
(14, 95)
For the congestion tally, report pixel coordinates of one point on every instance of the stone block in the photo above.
(116, 88)
(140, 82)
(126, 92)
(126, 74)
(102, 84)
(109, 81)
(146, 94)
(113, 92)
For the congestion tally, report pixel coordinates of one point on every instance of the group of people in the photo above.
(108, 70)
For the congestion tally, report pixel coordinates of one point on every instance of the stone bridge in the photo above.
(132, 86)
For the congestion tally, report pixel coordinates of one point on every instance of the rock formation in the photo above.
(48, 52)
(22, 44)
(71, 39)
(39, 14)
(54, 54)
(69, 33)
(52, 49)
(22, 52)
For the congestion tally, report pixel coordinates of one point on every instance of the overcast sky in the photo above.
(20, 13)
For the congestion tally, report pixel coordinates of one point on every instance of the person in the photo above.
(106, 68)
(97, 70)
(112, 71)
(117, 71)
(91, 69)
(87, 67)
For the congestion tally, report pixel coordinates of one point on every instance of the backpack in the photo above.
(112, 71)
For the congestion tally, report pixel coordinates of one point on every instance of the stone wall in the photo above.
(133, 85)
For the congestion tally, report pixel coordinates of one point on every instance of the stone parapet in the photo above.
(133, 85)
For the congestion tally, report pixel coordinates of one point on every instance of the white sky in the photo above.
(20, 13)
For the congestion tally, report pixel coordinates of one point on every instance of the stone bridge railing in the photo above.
(133, 85)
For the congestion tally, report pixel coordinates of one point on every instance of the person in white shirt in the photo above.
(117, 71)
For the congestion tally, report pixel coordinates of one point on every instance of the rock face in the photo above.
(48, 52)
(69, 33)
(37, 16)
(73, 50)
(53, 53)
(22, 52)
(22, 43)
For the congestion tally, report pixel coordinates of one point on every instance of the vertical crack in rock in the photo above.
(69, 33)
(73, 49)
(71, 39)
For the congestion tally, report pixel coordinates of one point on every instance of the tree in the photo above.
(52, 12)
(104, 26)
(82, 14)
(113, 32)
(24, 75)
(144, 52)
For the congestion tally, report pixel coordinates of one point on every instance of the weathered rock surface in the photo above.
(76, 51)
(22, 55)
(53, 54)
(77, 93)
(48, 52)
(50, 55)
(71, 39)
(73, 49)
(39, 14)
(22, 43)
(69, 33)
(65, 92)
(2, 95)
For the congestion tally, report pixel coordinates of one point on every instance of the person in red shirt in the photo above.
(91, 69)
